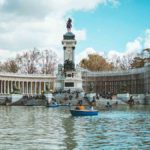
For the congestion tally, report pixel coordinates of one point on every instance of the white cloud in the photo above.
(44, 7)
(28, 24)
(5, 54)
(132, 48)
(113, 54)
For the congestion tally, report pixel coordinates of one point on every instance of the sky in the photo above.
(108, 27)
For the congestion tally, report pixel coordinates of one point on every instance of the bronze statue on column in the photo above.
(69, 25)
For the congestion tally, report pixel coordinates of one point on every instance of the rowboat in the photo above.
(83, 112)
(53, 105)
(57, 105)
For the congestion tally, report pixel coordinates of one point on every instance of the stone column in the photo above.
(4, 87)
(27, 87)
(44, 86)
(54, 85)
(19, 85)
(40, 87)
(31, 87)
(1, 86)
(49, 85)
(23, 87)
(8, 91)
(35, 88)
(73, 54)
(11, 86)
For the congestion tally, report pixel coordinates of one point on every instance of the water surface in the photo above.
(42, 128)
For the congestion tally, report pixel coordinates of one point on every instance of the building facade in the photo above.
(27, 84)
(135, 81)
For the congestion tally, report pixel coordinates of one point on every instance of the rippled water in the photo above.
(41, 128)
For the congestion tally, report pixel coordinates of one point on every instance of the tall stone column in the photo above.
(54, 85)
(49, 85)
(4, 87)
(31, 87)
(19, 84)
(11, 86)
(35, 88)
(27, 87)
(1, 86)
(40, 87)
(44, 86)
(8, 91)
(23, 87)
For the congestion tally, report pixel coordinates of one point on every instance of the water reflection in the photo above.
(69, 140)
(55, 129)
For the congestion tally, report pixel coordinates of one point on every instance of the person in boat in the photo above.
(91, 107)
(49, 101)
(93, 101)
(131, 100)
(108, 105)
(80, 105)
(54, 102)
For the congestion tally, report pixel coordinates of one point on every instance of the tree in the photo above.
(10, 66)
(35, 61)
(28, 61)
(137, 62)
(147, 54)
(122, 62)
(49, 61)
(147, 49)
(95, 62)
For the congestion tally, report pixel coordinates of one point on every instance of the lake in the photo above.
(42, 128)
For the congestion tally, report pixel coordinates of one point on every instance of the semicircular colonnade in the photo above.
(32, 84)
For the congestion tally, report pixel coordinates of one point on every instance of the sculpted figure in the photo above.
(69, 25)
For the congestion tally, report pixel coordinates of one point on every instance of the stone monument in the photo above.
(69, 77)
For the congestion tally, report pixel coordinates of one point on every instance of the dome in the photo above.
(69, 36)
